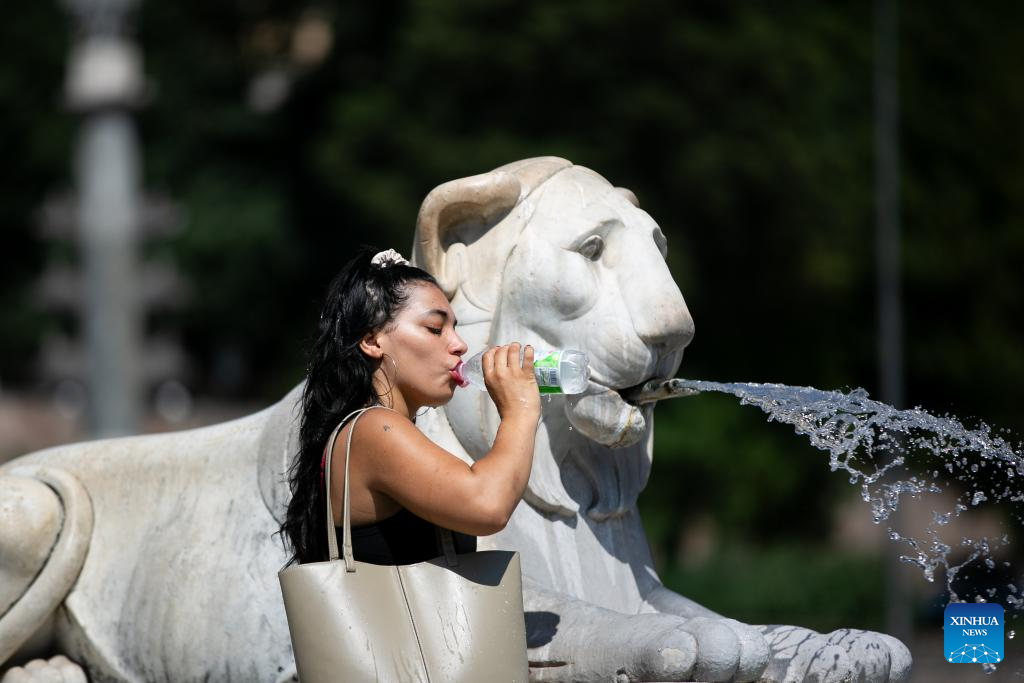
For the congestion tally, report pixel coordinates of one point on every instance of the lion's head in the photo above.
(551, 254)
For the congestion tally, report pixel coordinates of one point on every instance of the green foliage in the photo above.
(964, 210)
(34, 148)
(236, 249)
(718, 462)
(814, 586)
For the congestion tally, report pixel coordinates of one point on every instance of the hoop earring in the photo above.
(391, 385)
(394, 364)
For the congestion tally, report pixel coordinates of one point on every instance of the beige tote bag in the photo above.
(453, 619)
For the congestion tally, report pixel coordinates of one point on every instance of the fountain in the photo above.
(152, 557)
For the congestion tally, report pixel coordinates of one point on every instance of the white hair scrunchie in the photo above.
(388, 257)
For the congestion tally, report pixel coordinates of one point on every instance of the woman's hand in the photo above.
(511, 383)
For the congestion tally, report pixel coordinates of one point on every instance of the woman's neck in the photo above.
(389, 396)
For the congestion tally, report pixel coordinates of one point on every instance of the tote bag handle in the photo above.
(445, 536)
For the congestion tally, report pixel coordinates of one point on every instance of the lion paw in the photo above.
(799, 654)
(646, 647)
(57, 669)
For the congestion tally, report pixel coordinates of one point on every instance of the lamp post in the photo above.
(104, 84)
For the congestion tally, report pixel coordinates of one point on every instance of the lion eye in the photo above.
(592, 247)
(661, 242)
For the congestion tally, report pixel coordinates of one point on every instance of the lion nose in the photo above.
(666, 325)
(657, 308)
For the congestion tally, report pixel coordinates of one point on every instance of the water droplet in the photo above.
(1011, 635)
(978, 497)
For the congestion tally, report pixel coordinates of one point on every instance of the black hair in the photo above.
(362, 298)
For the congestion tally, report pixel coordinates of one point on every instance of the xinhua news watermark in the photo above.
(973, 633)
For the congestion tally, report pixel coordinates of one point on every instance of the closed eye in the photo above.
(592, 247)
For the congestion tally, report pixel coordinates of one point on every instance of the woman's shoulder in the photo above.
(379, 419)
(399, 452)
(378, 428)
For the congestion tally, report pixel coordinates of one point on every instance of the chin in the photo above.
(442, 400)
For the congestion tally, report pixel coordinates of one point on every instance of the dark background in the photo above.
(746, 130)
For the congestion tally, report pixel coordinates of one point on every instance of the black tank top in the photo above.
(402, 538)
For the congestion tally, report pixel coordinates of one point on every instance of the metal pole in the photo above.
(107, 178)
(890, 326)
(104, 83)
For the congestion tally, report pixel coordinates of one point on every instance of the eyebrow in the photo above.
(443, 314)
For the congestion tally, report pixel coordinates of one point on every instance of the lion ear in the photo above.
(480, 199)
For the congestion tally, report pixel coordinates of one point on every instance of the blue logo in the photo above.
(973, 633)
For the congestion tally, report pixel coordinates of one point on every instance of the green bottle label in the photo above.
(545, 368)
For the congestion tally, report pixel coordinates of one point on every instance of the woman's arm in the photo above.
(435, 484)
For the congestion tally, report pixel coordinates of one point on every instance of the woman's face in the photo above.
(425, 347)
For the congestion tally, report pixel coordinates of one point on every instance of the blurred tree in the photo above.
(964, 209)
(35, 149)
(746, 133)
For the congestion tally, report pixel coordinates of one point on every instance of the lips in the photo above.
(457, 376)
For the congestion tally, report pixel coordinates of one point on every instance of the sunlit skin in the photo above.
(393, 465)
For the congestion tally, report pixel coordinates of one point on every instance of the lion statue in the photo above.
(152, 557)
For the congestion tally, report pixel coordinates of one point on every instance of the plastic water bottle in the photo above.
(562, 371)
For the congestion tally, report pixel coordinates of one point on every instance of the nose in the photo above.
(661, 317)
(667, 324)
(459, 347)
